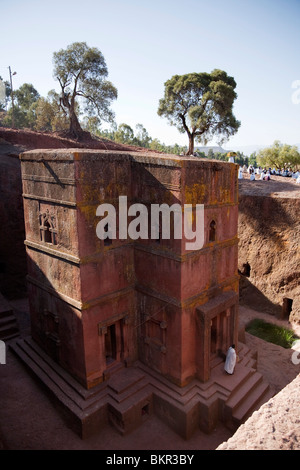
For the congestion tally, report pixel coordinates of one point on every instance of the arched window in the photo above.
(47, 228)
(212, 231)
(47, 232)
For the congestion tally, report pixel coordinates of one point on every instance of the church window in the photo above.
(48, 230)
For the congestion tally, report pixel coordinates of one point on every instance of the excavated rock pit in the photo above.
(269, 257)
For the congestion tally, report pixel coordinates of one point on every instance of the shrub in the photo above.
(272, 333)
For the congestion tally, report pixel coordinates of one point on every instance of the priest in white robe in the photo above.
(230, 360)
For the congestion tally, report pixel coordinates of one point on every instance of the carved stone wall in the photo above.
(96, 306)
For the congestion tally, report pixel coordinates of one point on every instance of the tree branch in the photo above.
(184, 124)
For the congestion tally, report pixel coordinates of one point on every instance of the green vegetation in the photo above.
(279, 156)
(49, 114)
(23, 114)
(272, 333)
(81, 72)
(200, 104)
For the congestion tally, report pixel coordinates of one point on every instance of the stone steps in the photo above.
(130, 394)
(8, 323)
(125, 393)
(8, 330)
(127, 384)
(33, 351)
(245, 399)
(59, 383)
(182, 395)
(119, 386)
(247, 357)
(251, 403)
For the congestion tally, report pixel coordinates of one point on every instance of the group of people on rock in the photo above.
(265, 174)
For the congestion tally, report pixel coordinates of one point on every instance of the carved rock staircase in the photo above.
(87, 410)
(130, 395)
(8, 323)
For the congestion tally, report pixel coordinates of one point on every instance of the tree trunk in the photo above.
(75, 128)
(191, 144)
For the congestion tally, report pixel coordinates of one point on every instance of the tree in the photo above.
(25, 108)
(279, 156)
(49, 116)
(155, 144)
(252, 159)
(240, 158)
(91, 124)
(124, 134)
(142, 138)
(81, 72)
(44, 115)
(26, 95)
(108, 133)
(15, 117)
(200, 104)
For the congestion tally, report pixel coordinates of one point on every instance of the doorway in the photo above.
(110, 344)
(220, 335)
(213, 336)
(287, 307)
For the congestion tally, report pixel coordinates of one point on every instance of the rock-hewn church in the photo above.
(123, 328)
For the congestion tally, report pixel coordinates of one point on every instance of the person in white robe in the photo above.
(230, 360)
(240, 175)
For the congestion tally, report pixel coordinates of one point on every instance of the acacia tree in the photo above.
(81, 72)
(200, 104)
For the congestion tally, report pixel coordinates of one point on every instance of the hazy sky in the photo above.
(147, 42)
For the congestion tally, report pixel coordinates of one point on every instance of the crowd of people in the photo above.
(266, 173)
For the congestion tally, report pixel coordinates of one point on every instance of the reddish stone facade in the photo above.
(100, 305)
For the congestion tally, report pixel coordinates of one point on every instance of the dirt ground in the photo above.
(30, 420)
(281, 186)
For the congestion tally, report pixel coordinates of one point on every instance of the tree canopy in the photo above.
(81, 72)
(26, 95)
(200, 104)
(49, 116)
(24, 112)
(279, 156)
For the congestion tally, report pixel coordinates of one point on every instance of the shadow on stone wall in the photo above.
(254, 298)
(13, 267)
(268, 217)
